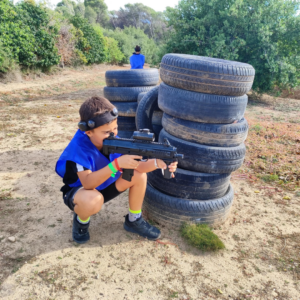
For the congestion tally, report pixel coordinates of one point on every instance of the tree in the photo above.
(26, 36)
(90, 15)
(100, 8)
(79, 9)
(92, 43)
(66, 7)
(140, 16)
(262, 33)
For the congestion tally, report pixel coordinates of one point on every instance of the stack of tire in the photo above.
(123, 88)
(203, 100)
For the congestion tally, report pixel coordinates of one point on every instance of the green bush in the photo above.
(26, 36)
(264, 34)
(114, 54)
(37, 19)
(91, 44)
(201, 237)
(129, 37)
(6, 62)
(15, 37)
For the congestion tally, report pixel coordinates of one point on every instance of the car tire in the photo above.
(127, 94)
(200, 107)
(126, 109)
(190, 184)
(206, 159)
(174, 212)
(207, 75)
(219, 135)
(145, 110)
(132, 78)
(140, 96)
(126, 124)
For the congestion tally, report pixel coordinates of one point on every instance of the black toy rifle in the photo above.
(142, 144)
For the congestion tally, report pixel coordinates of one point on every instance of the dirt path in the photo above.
(262, 235)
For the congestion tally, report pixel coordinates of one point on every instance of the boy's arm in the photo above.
(90, 180)
(149, 166)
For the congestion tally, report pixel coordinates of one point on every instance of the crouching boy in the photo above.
(91, 178)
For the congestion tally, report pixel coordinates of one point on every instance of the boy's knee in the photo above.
(140, 177)
(97, 202)
(94, 202)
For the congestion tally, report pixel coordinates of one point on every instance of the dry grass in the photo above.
(273, 151)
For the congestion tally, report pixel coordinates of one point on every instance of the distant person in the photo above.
(137, 60)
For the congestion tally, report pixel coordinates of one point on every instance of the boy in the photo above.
(137, 60)
(92, 179)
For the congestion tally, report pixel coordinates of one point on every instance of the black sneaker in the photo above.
(142, 228)
(80, 232)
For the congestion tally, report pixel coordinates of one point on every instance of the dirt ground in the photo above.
(37, 120)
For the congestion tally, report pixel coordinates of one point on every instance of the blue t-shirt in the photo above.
(83, 152)
(137, 61)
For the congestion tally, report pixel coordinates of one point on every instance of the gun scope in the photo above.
(144, 134)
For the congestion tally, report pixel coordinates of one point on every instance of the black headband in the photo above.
(98, 121)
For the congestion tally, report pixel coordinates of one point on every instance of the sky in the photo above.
(157, 5)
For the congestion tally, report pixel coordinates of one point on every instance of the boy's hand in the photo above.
(172, 167)
(129, 161)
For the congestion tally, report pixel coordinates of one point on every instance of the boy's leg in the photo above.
(137, 188)
(87, 203)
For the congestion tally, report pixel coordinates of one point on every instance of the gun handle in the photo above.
(166, 173)
(127, 174)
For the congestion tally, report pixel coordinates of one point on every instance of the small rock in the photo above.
(1, 237)
(12, 239)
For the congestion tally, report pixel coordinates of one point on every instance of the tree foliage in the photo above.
(100, 9)
(26, 36)
(263, 33)
(129, 37)
(91, 44)
(114, 54)
(142, 17)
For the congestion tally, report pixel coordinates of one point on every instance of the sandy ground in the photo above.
(261, 259)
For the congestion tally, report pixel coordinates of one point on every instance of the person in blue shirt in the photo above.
(92, 178)
(137, 60)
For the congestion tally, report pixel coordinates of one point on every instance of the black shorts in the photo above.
(108, 194)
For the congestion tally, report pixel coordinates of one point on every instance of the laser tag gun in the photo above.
(142, 144)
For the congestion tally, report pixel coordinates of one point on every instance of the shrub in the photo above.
(91, 43)
(264, 34)
(26, 35)
(114, 54)
(201, 237)
(66, 46)
(37, 19)
(15, 37)
(6, 62)
(129, 37)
